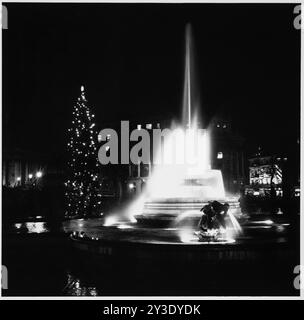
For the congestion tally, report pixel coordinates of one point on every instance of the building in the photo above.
(22, 168)
(266, 175)
(228, 155)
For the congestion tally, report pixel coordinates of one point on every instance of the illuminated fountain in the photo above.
(157, 235)
(182, 181)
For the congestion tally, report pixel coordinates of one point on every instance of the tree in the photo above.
(82, 186)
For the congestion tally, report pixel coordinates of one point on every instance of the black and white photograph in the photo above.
(151, 150)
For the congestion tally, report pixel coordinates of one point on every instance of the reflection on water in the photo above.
(45, 265)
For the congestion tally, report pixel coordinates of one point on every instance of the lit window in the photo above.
(224, 126)
(149, 126)
(220, 155)
(218, 125)
(138, 126)
(99, 138)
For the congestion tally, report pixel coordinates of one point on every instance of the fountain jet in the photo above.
(187, 84)
(191, 97)
(195, 182)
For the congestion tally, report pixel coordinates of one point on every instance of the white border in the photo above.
(301, 297)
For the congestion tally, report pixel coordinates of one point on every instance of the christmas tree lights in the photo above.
(82, 186)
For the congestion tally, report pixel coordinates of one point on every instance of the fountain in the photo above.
(176, 192)
(182, 180)
(161, 227)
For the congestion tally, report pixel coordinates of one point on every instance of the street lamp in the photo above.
(38, 174)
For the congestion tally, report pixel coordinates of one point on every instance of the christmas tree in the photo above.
(82, 186)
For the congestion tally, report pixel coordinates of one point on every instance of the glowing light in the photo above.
(131, 185)
(18, 178)
(220, 155)
(183, 169)
(110, 221)
(38, 174)
(36, 227)
(236, 226)
(280, 229)
(279, 211)
(124, 226)
(187, 236)
(268, 222)
(30, 176)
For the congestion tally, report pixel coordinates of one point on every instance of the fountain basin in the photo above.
(165, 213)
(169, 260)
(155, 244)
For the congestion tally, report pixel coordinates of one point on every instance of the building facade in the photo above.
(19, 168)
(228, 155)
(266, 176)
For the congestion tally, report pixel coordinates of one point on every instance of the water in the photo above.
(41, 262)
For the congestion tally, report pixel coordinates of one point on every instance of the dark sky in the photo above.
(130, 58)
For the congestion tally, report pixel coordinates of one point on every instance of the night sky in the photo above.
(130, 58)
